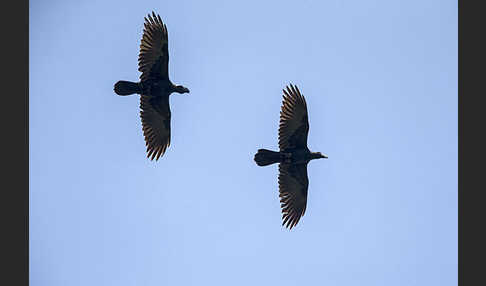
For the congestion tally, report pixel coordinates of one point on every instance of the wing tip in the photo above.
(155, 18)
(155, 152)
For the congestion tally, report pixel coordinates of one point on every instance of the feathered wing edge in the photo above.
(294, 124)
(153, 47)
(155, 126)
(293, 184)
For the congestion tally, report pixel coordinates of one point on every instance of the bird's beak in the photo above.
(324, 156)
(187, 90)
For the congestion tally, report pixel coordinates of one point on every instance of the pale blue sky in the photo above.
(380, 80)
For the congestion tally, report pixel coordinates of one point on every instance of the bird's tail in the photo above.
(124, 87)
(266, 157)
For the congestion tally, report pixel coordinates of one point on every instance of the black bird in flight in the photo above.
(293, 156)
(154, 86)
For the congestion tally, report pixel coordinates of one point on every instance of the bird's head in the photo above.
(181, 89)
(318, 155)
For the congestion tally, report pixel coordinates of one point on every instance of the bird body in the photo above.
(154, 86)
(266, 157)
(299, 156)
(293, 157)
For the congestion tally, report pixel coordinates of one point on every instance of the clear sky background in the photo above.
(380, 80)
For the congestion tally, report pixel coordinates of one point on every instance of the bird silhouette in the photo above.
(154, 86)
(293, 156)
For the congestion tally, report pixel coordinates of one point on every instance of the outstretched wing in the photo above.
(293, 184)
(294, 125)
(153, 60)
(155, 114)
